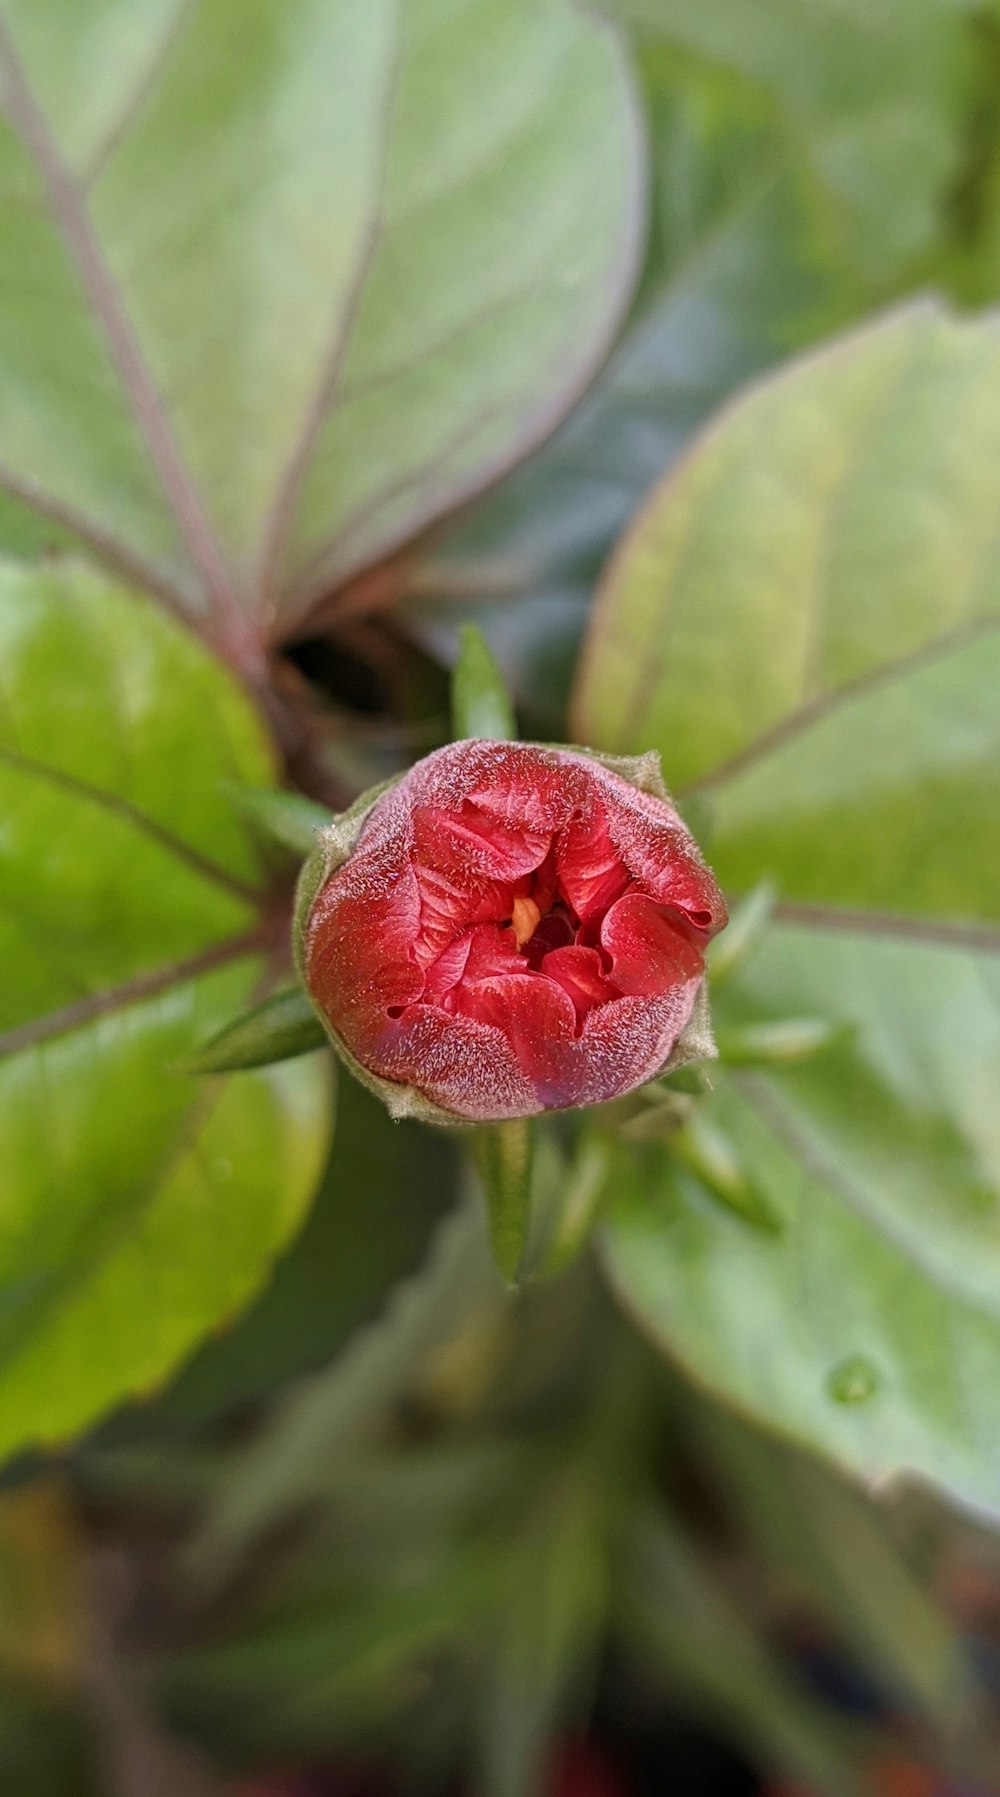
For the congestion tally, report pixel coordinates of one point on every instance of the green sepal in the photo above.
(575, 1203)
(281, 1028)
(716, 1164)
(783, 1042)
(480, 703)
(502, 1153)
(283, 820)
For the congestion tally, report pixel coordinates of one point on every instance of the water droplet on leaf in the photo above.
(854, 1381)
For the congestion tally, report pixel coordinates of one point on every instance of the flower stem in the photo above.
(502, 1153)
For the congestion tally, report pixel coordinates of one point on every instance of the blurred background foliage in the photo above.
(387, 1531)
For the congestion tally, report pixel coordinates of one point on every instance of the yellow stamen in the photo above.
(525, 918)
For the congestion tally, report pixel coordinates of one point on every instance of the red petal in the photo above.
(472, 847)
(498, 787)
(529, 788)
(660, 852)
(579, 972)
(591, 871)
(444, 973)
(447, 909)
(461, 1064)
(359, 951)
(492, 952)
(649, 952)
(626, 1042)
(539, 1021)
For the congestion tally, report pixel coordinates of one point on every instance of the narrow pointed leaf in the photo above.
(704, 1148)
(346, 1401)
(280, 1029)
(803, 1519)
(480, 705)
(747, 925)
(692, 1626)
(787, 1039)
(582, 1191)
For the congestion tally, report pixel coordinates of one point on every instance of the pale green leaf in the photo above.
(358, 1242)
(805, 622)
(264, 315)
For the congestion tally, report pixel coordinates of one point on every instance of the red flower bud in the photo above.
(510, 929)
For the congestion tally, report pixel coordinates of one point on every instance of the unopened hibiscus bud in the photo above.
(510, 929)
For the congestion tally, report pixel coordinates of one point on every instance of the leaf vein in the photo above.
(116, 555)
(825, 704)
(761, 1098)
(139, 820)
(70, 213)
(331, 376)
(117, 998)
(978, 938)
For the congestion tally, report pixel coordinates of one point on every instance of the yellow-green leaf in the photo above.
(139, 1207)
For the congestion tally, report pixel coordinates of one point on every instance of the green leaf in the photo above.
(806, 623)
(831, 1331)
(479, 703)
(689, 1624)
(739, 269)
(139, 1207)
(280, 1029)
(299, 301)
(872, 94)
(359, 1240)
(347, 1401)
(798, 608)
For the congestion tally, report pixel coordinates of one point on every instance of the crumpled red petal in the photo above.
(581, 975)
(517, 929)
(649, 949)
